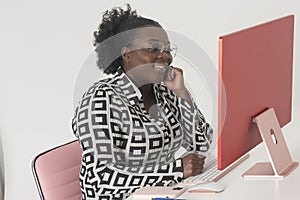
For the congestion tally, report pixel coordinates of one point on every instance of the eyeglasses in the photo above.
(157, 48)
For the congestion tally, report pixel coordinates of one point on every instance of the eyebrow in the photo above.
(156, 40)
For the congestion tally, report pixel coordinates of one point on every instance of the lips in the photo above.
(161, 67)
(165, 69)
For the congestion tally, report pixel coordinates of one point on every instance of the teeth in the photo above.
(160, 66)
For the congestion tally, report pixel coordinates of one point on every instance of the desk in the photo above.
(239, 188)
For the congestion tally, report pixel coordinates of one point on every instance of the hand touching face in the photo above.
(174, 79)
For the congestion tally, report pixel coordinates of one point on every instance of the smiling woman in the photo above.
(147, 56)
(131, 125)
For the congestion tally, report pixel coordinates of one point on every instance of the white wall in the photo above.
(44, 43)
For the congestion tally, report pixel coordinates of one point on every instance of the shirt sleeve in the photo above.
(198, 133)
(74, 123)
(101, 122)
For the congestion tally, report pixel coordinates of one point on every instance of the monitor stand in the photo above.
(281, 162)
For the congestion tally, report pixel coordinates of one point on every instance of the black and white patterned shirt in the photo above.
(124, 148)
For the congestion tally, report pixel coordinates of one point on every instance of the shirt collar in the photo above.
(128, 87)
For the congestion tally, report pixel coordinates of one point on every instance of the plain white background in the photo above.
(44, 44)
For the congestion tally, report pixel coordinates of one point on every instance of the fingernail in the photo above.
(202, 156)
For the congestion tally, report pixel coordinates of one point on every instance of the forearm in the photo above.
(159, 175)
(184, 94)
(197, 132)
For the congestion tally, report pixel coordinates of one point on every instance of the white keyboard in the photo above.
(210, 173)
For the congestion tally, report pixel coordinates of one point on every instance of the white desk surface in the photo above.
(239, 188)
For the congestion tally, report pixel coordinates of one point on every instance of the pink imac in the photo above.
(256, 69)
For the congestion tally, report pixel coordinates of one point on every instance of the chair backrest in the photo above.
(56, 172)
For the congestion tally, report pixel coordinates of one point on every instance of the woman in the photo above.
(131, 125)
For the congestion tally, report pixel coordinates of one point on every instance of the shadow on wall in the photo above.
(1, 170)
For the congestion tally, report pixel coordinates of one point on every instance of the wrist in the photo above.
(183, 93)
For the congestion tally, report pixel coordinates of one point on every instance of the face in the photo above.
(147, 57)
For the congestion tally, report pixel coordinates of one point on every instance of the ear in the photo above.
(125, 54)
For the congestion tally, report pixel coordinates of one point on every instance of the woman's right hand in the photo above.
(192, 164)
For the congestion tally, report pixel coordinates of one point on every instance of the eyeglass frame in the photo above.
(161, 50)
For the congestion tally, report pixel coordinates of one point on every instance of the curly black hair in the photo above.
(115, 22)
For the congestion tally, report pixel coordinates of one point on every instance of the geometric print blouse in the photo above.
(124, 148)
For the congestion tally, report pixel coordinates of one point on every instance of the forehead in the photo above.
(143, 35)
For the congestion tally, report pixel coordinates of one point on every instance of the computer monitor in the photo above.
(256, 71)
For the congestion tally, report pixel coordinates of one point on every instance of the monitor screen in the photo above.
(255, 73)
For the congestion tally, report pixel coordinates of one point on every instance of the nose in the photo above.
(165, 56)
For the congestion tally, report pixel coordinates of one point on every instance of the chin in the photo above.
(152, 76)
(158, 79)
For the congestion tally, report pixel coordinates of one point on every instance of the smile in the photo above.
(160, 67)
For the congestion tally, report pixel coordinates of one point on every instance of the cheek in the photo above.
(140, 58)
(147, 74)
(142, 67)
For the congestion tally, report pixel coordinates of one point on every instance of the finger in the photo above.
(201, 156)
(177, 69)
(195, 161)
(199, 168)
(196, 155)
(201, 162)
(168, 74)
(198, 162)
(193, 157)
(196, 171)
(192, 170)
(192, 166)
(172, 73)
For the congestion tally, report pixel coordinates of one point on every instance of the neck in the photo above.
(136, 75)
(146, 90)
(149, 100)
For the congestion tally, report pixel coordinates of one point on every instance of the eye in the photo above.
(153, 49)
(156, 47)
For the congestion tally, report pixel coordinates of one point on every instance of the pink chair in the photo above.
(56, 172)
